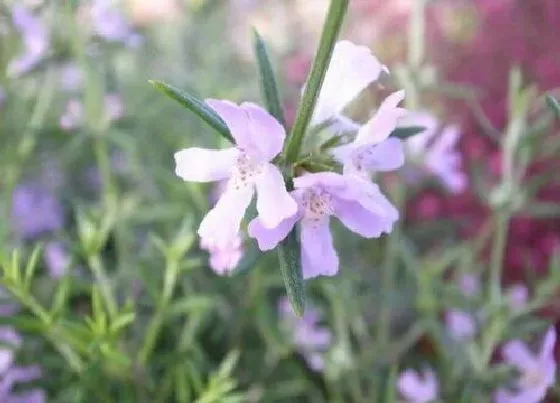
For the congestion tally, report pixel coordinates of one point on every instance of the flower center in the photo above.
(245, 172)
(531, 378)
(317, 204)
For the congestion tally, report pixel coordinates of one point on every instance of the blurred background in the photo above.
(123, 303)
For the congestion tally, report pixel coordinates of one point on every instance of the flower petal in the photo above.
(460, 324)
(380, 126)
(274, 203)
(322, 179)
(360, 220)
(269, 238)
(351, 69)
(267, 133)
(368, 195)
(319, 258)
(221, 225)
(518, 354)
(385, 156)
(549, 342)
(204, 165)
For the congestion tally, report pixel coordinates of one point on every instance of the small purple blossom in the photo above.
(10, 374)
(311, 339)
(259, 138)
(356, 202)
(417, 387)
(110, 24)
(56, 259)
(517, 296)
(35, 210)
(35, 39)
(461, 325)
(373, 150)
(224, 258)
(351, 69)
(537, 372)
(437, 151)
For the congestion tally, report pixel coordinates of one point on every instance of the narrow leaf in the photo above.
(290, 265)
(406, 132)
(196, 106)
(554, 105)
(268, 84)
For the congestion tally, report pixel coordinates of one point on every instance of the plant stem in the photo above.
(498, 248)
(331, 29)
(104, 284)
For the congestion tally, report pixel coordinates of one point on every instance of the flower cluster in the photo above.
(250, 166)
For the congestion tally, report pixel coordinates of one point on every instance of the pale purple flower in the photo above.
(73, 116)
(56, 259)
(517, 295)
(110, 24)
(373, 150)
(461, 325)
(537, 372)
(71, 77)
(259, 138)
(35, 40)
(10, 374)
(437, 150)
(356, 202)
(469, 285)
(351, 69)
(35, 210)
(224, 258)
(311, 339)
(417, 387)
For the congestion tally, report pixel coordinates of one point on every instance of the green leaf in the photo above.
(269, 87)
(406, 132)
(196, 106)
(554, 105)
(331, 29)
(290, 265)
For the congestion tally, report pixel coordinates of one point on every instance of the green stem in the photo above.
(331, 29)
(498, 249)
(104, 284)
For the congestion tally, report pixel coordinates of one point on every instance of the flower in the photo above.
(351, 69)
(418, 388)
(56, 259)
(74, 116)
(11, 374)
(517, 295)
(537, 372)
(35, 39)
(461, 325)
(356, 202)
(35, 210)
(437, 152)
(259, 138)
(373, 150)
(110, 24)
(307, 335)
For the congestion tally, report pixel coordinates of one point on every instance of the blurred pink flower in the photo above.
(311, 339)
(537, 371)
(417, 387)
(224, 258)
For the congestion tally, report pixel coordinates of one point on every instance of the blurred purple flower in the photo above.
(418, 388)
(311, 339)
(373, 150)
(73, 116)
(224, 258)
(537, 372)
(110, 24)
(438, 152)
(517, 295)
(11, 374)
(356, 202)
(352, 68)
(35, 39)
(71, 77)
(461, 325)
(259, 138)
(56, 259)
(35, 210)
